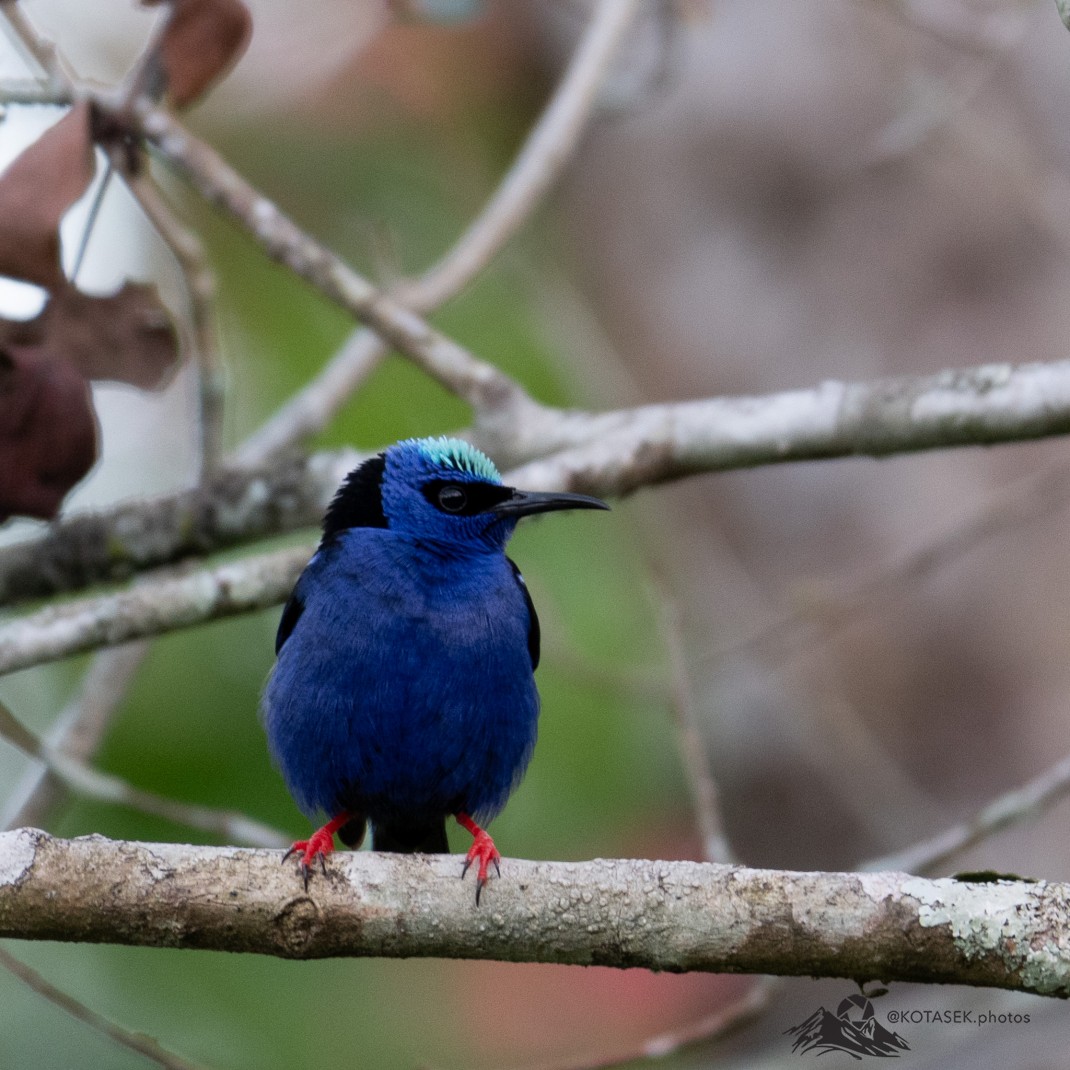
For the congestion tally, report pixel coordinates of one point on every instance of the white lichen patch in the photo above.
(978, 914)
(17, 852)
(1005, 919)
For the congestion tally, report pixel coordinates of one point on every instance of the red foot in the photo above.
(320, 844)
(483, 850)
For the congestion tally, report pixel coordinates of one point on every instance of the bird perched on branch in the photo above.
(403, 691)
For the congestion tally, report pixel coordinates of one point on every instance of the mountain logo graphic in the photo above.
(853, 1028)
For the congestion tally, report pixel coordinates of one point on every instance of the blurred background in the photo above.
(774, 192)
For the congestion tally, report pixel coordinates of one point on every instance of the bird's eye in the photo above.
(452, 498)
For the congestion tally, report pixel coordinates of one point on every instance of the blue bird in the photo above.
(403, 691)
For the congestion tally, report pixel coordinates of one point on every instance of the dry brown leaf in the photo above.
(35, 192)
(202, 40)
(48, 431)
(127, 336)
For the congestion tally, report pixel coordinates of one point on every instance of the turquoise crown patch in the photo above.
(459, 455)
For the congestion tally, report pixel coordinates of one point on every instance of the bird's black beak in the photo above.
(526, 502)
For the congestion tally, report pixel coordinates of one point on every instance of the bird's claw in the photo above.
(483, 851)
(319, 845)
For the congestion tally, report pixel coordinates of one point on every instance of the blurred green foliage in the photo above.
(604, 779)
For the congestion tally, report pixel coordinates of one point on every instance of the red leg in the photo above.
(482, 849)
(320, 843)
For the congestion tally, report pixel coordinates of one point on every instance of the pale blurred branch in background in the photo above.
(717, 1024)
(705, 795)
(491, 393)
(1025, 803)
(200, 290)
(537, 165)
(137, 1042)
(76, 733)
(97, 785)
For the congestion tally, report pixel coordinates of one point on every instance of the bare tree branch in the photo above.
(617, 452)
(705, 798)
(76, 734)
(537, 166)
(138, 1042)
(1024, 803)
(676, 916)
(23, 92)
(718, 1023)
(188, 251)
(97, 785)
(151, 607)
(314, 406)
(42, 52)
(605, 453)
(489, 391)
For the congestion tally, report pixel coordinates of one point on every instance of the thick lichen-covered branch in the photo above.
(598, 453)
(676, 916)
(618, 452)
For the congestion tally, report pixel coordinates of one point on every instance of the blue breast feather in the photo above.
(405, 689)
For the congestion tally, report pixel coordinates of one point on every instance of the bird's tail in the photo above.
(426, 838)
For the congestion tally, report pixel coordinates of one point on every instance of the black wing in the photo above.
(291, 614)
(534, 634)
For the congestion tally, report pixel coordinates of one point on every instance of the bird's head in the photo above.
(442, 490)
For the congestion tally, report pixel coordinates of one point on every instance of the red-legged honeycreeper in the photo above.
(404, 692)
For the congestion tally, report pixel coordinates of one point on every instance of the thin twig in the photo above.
(1030, 498)
(228, 824)
(201, 289)
(717, 1024)
(488, 390)
(76, 733)
(700, 781)
(1025, 803)
(538, 165)
(42, 51)
(139, 1042)
(313, 407)
(21, 93)
(144, 79)
(91, 219)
